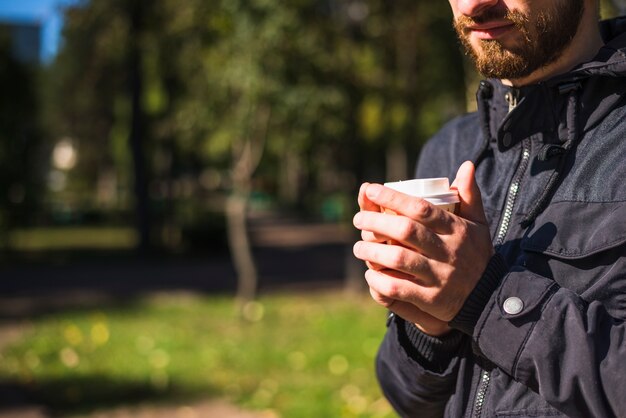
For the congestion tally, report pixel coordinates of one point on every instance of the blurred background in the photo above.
(177, 182)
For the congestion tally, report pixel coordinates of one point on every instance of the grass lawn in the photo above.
(297, 355)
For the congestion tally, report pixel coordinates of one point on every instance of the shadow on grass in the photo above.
(86, 394)
(60, 282)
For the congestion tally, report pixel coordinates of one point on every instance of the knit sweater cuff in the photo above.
(468, 316)
(434, 353)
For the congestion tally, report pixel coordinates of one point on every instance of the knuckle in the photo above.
(431, 298)
(421, 264)
(422, 209)
(407, 229)
(394, 291)
(453, 260)
(397, 260)
(462, 230)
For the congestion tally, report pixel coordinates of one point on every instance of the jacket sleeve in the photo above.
(568, 350)
(417, 372)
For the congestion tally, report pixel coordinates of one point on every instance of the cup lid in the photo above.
(430, 187)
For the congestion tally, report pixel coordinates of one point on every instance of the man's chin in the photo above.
(496, 51)
(508, 43)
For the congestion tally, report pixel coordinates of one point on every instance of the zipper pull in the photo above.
(511, 98)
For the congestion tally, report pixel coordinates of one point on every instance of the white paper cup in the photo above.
(434, 190)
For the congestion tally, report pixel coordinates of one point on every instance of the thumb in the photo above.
(469, 194)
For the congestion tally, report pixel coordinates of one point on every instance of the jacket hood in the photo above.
(602, 80)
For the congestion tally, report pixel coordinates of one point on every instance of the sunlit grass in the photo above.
(295, 355)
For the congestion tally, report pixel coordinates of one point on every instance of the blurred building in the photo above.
(25, 40)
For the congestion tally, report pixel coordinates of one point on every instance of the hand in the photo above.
(438, 257)
(409, 312)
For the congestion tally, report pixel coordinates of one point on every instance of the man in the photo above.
(515, 306)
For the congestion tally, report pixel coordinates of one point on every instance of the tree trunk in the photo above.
(240, 248)
(246, 159)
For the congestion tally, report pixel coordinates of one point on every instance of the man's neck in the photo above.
(583, 48)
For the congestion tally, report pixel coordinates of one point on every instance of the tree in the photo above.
(301, 101)
(21, 161)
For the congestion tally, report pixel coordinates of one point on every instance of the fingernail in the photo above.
(373, 191)
(356, 247)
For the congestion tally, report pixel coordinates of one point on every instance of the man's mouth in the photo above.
(490, 30)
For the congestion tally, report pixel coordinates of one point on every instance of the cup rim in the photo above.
(449, 197)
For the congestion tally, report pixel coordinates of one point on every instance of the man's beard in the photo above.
(543, 39)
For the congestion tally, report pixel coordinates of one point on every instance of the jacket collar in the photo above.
(542, 107)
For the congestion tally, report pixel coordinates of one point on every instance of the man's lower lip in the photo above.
(492, 33)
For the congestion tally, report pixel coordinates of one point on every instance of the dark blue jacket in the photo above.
(551, 165)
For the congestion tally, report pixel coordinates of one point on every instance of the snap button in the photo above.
(513, 305)
(507, 139)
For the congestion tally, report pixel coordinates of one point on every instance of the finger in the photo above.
(396, 286)
(413, 265)
(402, 229)
(411, 313)
(384, 300)
(439, 220)
(364, 202)
(471, 207)
(368, 235)
(406, 288)
(405, 310)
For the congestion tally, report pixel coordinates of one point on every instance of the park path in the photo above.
(206, 409)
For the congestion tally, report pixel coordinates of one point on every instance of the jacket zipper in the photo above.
(512, 194)
(485, 376)
(481, 392)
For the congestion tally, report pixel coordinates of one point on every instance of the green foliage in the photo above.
(300, 356)
(341, 82)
